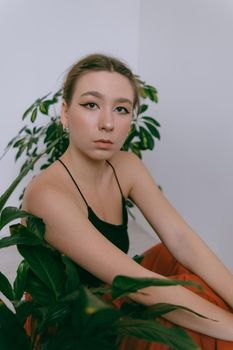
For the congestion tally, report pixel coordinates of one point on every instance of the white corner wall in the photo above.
(186, 51)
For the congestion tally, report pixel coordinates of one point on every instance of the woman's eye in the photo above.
(90, 105)
(121, 109)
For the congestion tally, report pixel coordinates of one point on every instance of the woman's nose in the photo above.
(106, 121)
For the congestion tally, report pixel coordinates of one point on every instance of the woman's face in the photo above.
(99, 114)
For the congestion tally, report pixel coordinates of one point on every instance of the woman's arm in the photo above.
(187, 247)
(69, 230)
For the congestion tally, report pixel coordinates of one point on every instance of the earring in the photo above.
(66, 129)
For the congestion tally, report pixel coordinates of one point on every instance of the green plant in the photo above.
(51, 137)
(65, 314)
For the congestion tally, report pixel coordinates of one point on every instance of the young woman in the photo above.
(81, 198)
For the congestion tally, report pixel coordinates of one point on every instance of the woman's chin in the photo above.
(99, 155)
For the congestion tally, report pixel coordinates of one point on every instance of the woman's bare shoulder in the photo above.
(123, 157)
(125, 162)
(48, 182)
(126, 165)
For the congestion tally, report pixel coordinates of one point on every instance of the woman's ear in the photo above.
(64, 114)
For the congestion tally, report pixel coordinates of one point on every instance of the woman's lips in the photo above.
(104, 143)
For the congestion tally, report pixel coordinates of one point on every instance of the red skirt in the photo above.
(159, 259)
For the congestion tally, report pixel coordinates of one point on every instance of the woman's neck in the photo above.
(89, 171)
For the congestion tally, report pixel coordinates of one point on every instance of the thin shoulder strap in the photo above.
(73, 181)
(114, 172)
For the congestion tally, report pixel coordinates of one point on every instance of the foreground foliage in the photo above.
(64, 313)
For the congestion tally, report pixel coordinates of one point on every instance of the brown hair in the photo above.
(98, 62)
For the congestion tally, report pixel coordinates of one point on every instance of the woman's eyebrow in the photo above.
(93, 93)
(99, 95)
(123, 99)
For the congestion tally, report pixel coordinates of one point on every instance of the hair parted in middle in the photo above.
(97, 63)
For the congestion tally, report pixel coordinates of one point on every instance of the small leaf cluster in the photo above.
(51, 137)
(144, 129)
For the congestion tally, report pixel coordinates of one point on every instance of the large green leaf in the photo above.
(71, 296)
(20, 280)
(143, 108)
(23, 238)
(123, 285)
(136, 148)
(132, 309)
(142, 92)
(5, 287)
(72, 277)
(160, 309)
(51, 318)
(102, 320)
(154, 331)
(29, 165)
(146, 138)
(90, 311)
(151, 92)
(91, 303)
(154, 131)
(11, 213)
(77, 315)
(64, 339)
(58, 313)
(36, 226)
(24, 309)
(150, 120)
(97, 342)
(15, 183)
(46, 265)
(44, 106)
(38, 291)
(133, 133)
(35, 229)
(12, 334)
(85, 306)
(52, 131)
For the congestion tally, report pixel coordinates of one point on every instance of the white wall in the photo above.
(186, 50)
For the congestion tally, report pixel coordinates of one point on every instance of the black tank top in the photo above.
(117, 234)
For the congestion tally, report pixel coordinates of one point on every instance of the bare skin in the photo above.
(98, 111)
